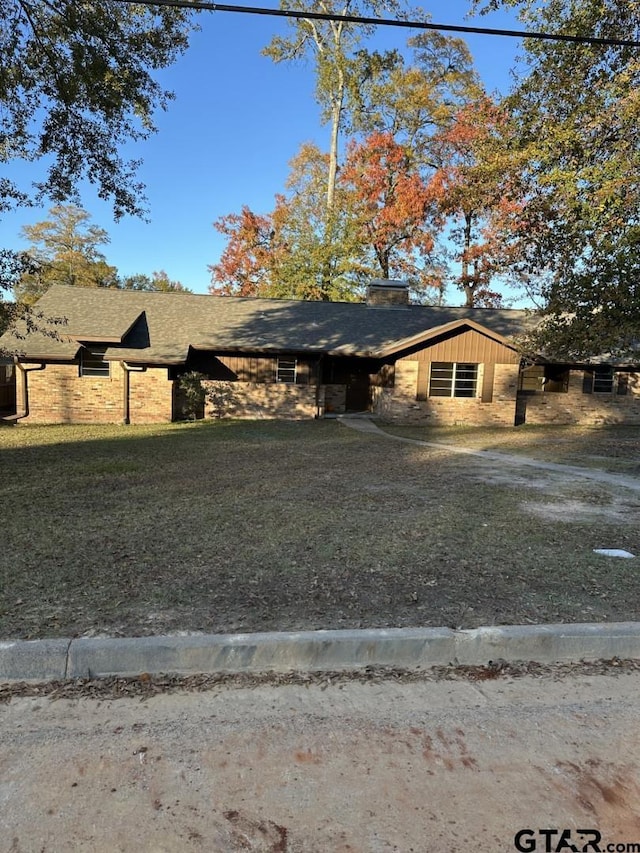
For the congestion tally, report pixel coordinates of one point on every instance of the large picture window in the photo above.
(92, 363)
(453, 379)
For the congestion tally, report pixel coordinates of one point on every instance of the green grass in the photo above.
(225, 526)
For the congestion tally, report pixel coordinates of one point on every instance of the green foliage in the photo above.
(77, 82)
(193, 394)
(576, 112)
(64, 250)
(342, 222)
(334, 47)
(221, 396)
(158, 281)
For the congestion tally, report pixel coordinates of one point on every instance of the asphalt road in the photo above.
(440, 767)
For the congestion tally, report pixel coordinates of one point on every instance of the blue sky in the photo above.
(227, 138)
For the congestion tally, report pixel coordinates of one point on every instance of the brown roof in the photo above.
(159, 328)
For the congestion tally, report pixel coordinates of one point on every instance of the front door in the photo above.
(358, 395)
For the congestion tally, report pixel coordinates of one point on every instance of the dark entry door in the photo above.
(358, 395)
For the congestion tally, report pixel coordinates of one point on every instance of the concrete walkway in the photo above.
(366, 425)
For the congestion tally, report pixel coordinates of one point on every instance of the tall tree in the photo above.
(64, 250)
(577, 110)
(331, 231)
(393, 210)
(412, 99)
(76, 82)
(479, 192)
(288, 253)
(334, 47)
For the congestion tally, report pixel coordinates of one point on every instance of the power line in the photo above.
(202, 5)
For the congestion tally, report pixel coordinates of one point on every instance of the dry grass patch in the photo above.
(251, 526)
(610, 448)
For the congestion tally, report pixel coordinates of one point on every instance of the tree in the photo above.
(64, 250)
(478, 191)
(334, 48)
(577, 113)
(77, 81)
(248, 262)
(288, 253)
(157, 282)
(13, 265)
(393, 208)
(412, 100)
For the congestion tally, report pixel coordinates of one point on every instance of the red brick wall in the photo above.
(400, 403)
(575, 407)
(150, 396)
(265, 400)
(58, 394)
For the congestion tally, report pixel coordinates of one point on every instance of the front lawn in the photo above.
(248, 526)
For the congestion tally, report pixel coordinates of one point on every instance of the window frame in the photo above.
(544, 379)
(95, 366)
(286, 370)
(606, 383)
(457, 379)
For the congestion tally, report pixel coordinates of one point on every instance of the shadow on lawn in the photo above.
(267, 525)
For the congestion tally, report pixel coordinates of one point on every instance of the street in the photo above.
(438, 766)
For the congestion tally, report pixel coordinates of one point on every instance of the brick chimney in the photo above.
(387, 293)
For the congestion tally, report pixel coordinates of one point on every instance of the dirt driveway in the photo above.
(428, 767)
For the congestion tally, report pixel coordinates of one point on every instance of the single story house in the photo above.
(119, 357)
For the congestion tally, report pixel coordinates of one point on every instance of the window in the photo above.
(453, 379)
(556, 379)
(549, 378)
(603, 380)
(531, 379)
(92, 363)
(286, 370)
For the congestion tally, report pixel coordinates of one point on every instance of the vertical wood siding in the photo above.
(469, 346)
(259, 369)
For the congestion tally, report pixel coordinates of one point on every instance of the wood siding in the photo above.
(250, 368)
(469, 346)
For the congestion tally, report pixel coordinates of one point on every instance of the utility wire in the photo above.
(380, 22)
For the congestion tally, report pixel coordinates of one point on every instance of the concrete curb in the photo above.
(22, 660)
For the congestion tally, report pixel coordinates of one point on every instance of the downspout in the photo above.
(126, 385)
(24, 388)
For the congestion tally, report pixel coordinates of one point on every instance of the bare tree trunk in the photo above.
(336, 115)
(466, 280)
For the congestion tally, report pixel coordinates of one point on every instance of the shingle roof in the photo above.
(159, 328)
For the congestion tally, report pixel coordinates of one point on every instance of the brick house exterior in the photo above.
(119, 357)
